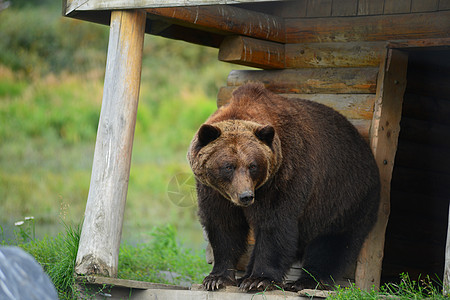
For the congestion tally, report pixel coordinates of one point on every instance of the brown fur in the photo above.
(296, 172)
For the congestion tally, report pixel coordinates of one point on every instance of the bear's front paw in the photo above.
(215, 282)
(257, 283)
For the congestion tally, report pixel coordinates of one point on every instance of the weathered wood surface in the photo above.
(310, 81)
(373, 28)
(384, 138)
(103, 288)
(71, 5)
(353, 106)
(447, 261)
(227, 20)
(331, 55)
(252, 52)
(102, 228)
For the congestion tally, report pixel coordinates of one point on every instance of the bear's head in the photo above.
(235, 157)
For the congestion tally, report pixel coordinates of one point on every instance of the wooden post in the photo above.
(384, 139)
(447, 261)
(102, 228)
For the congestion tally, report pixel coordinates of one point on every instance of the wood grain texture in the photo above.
(422, 6)
(309, 81)
(225, 19)
(384, 139)
(370, 7)
(397, 6)
(318, 8)
(331, 55)
(102, 228)
(252, 52)
(344, 8)
(352, 106)
(373, 28)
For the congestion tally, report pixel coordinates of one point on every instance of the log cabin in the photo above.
(384, 64)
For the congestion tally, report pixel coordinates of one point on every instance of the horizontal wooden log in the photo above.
(310, 81)
(71, 5)
(330, 55)
(252, 52)
(225, 19)
(352, 106)
(421, 43)
(357, 108)
(372, 28)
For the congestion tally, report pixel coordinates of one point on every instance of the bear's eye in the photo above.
(252, 167)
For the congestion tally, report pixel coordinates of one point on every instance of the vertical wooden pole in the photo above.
(391, 86)
(447, 261)
(102, 228)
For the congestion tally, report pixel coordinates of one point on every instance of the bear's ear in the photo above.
(265, 134)
(207, 134)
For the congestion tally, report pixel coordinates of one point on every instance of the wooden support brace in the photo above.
(102, 228)
(384, 139)
(225, 19)
(252, 52)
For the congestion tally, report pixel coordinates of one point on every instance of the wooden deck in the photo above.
(112, 288)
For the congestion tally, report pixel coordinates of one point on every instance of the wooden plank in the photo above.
(83, 5)
(344, 8)
(98, 249)
(384, 139)
(397, 6)
(421, 43)
(252, 52)
(446, 287)
(318, 8)
(370, 7)
(373, 28)
(331, 55)
(422, 6)
(225, 19)
(353, 106)
(310, 81)
(134, 284)
(444, 4)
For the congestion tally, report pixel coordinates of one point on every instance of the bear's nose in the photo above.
(246, 198)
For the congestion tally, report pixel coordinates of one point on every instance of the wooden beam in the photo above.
(446, 287)
(368, 28)
(98, 249)
(352, 106)
(331, 55)
(384, 139)
(226, 20)
(310, 81)
(83, 5)
(252, 52)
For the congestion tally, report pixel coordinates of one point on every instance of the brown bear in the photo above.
(294, 171)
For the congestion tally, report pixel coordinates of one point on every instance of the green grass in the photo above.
(164, 259)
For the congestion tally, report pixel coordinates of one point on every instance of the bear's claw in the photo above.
(215, 282)
(256, 283)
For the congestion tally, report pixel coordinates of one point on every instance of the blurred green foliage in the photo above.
(51, 82)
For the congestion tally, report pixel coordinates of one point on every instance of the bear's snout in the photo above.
(246, 198)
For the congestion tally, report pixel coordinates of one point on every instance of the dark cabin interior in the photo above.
(420, 188)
